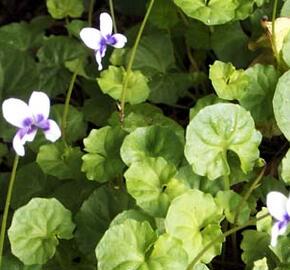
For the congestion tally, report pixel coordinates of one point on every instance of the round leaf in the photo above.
(217, 129)
(153, 141)
(281, 104)
(103, 161)
(60, 9)
(111, 83)
(151, 183)
(36, 228)
(124, 246)
(193, 218)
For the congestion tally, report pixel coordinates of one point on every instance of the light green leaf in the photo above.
(228, 82)
(60, 9)
(285, 170)
(193, 218)
(286, 48)
(281, 104)
(125, 246)
(282, 249)
(60, 161)
(259, 95)
(111, 83)
(261, 264)
(95, 215)
(150, 181)
(217, 129)
(230, 202)
(103, 162)
(152, 141)
(36, 228)
(215, 11)
(168, 254)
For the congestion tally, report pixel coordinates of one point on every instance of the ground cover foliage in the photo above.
(167, 153)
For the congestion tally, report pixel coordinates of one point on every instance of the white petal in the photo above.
(274, 234)
(120, 40)
(91, 37)
(99, 60)
(53, 133)
(106, 24)
(18, 145)
(15, 111)
(39, 104)
(276, 204)
(288, 206)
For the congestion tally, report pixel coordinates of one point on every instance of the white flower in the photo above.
(28, 118)
(99, 39)
(279, 207)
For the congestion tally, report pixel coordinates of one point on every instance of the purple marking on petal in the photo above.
(27, 122)
(39, 118)
(44, 125)
(31, 129)
(111, 40)
(103, 47)
(22, 132)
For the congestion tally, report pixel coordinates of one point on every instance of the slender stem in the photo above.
(66, 104)
(91, 11)
(111, 4)
(247, 195)
(7, 205)
(131, 60)
(273, 38)
(221, 237)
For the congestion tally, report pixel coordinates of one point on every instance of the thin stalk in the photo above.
(91, 11)
(248, 194)
(221, 237)
(7, 205)
(66, 104)
(111, 4)
(273, 37)
(131, 60)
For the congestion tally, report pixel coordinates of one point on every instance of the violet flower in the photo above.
(28, 118)
(99, 39)
(279, 207)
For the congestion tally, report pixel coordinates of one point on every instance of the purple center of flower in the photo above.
(284, 222)
(30, 125)
(111, 40)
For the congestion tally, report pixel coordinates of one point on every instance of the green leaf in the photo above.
(154, 59)
(282, 249)
(76, 126)
(217, 129)
(193, 218)
(150, 181)
(168, 88)
(95, 215)
(36, 228)
(261, 264)
(251, 240)
(230, 44)
(285, 170)
(217, 11)
(230, 202)
(286, 48)
(125, 246)
(228, 82)
(111, 83)
(103, 161)
(160, 14)
(60, 9)
(60, 161)
(168, 254)
(152, 141)
(259, 95)
(281, 104)
(197, 29)
(143, 115)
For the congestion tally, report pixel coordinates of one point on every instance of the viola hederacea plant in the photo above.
(279, 207)
(98, 40)
(28, 118)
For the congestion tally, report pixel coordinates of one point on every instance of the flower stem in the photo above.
(66, 104)
(273, 37)
(131, 60)
(91, 11)
(7, 205)
(221, 237)
(248, 193)
(111, 4)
